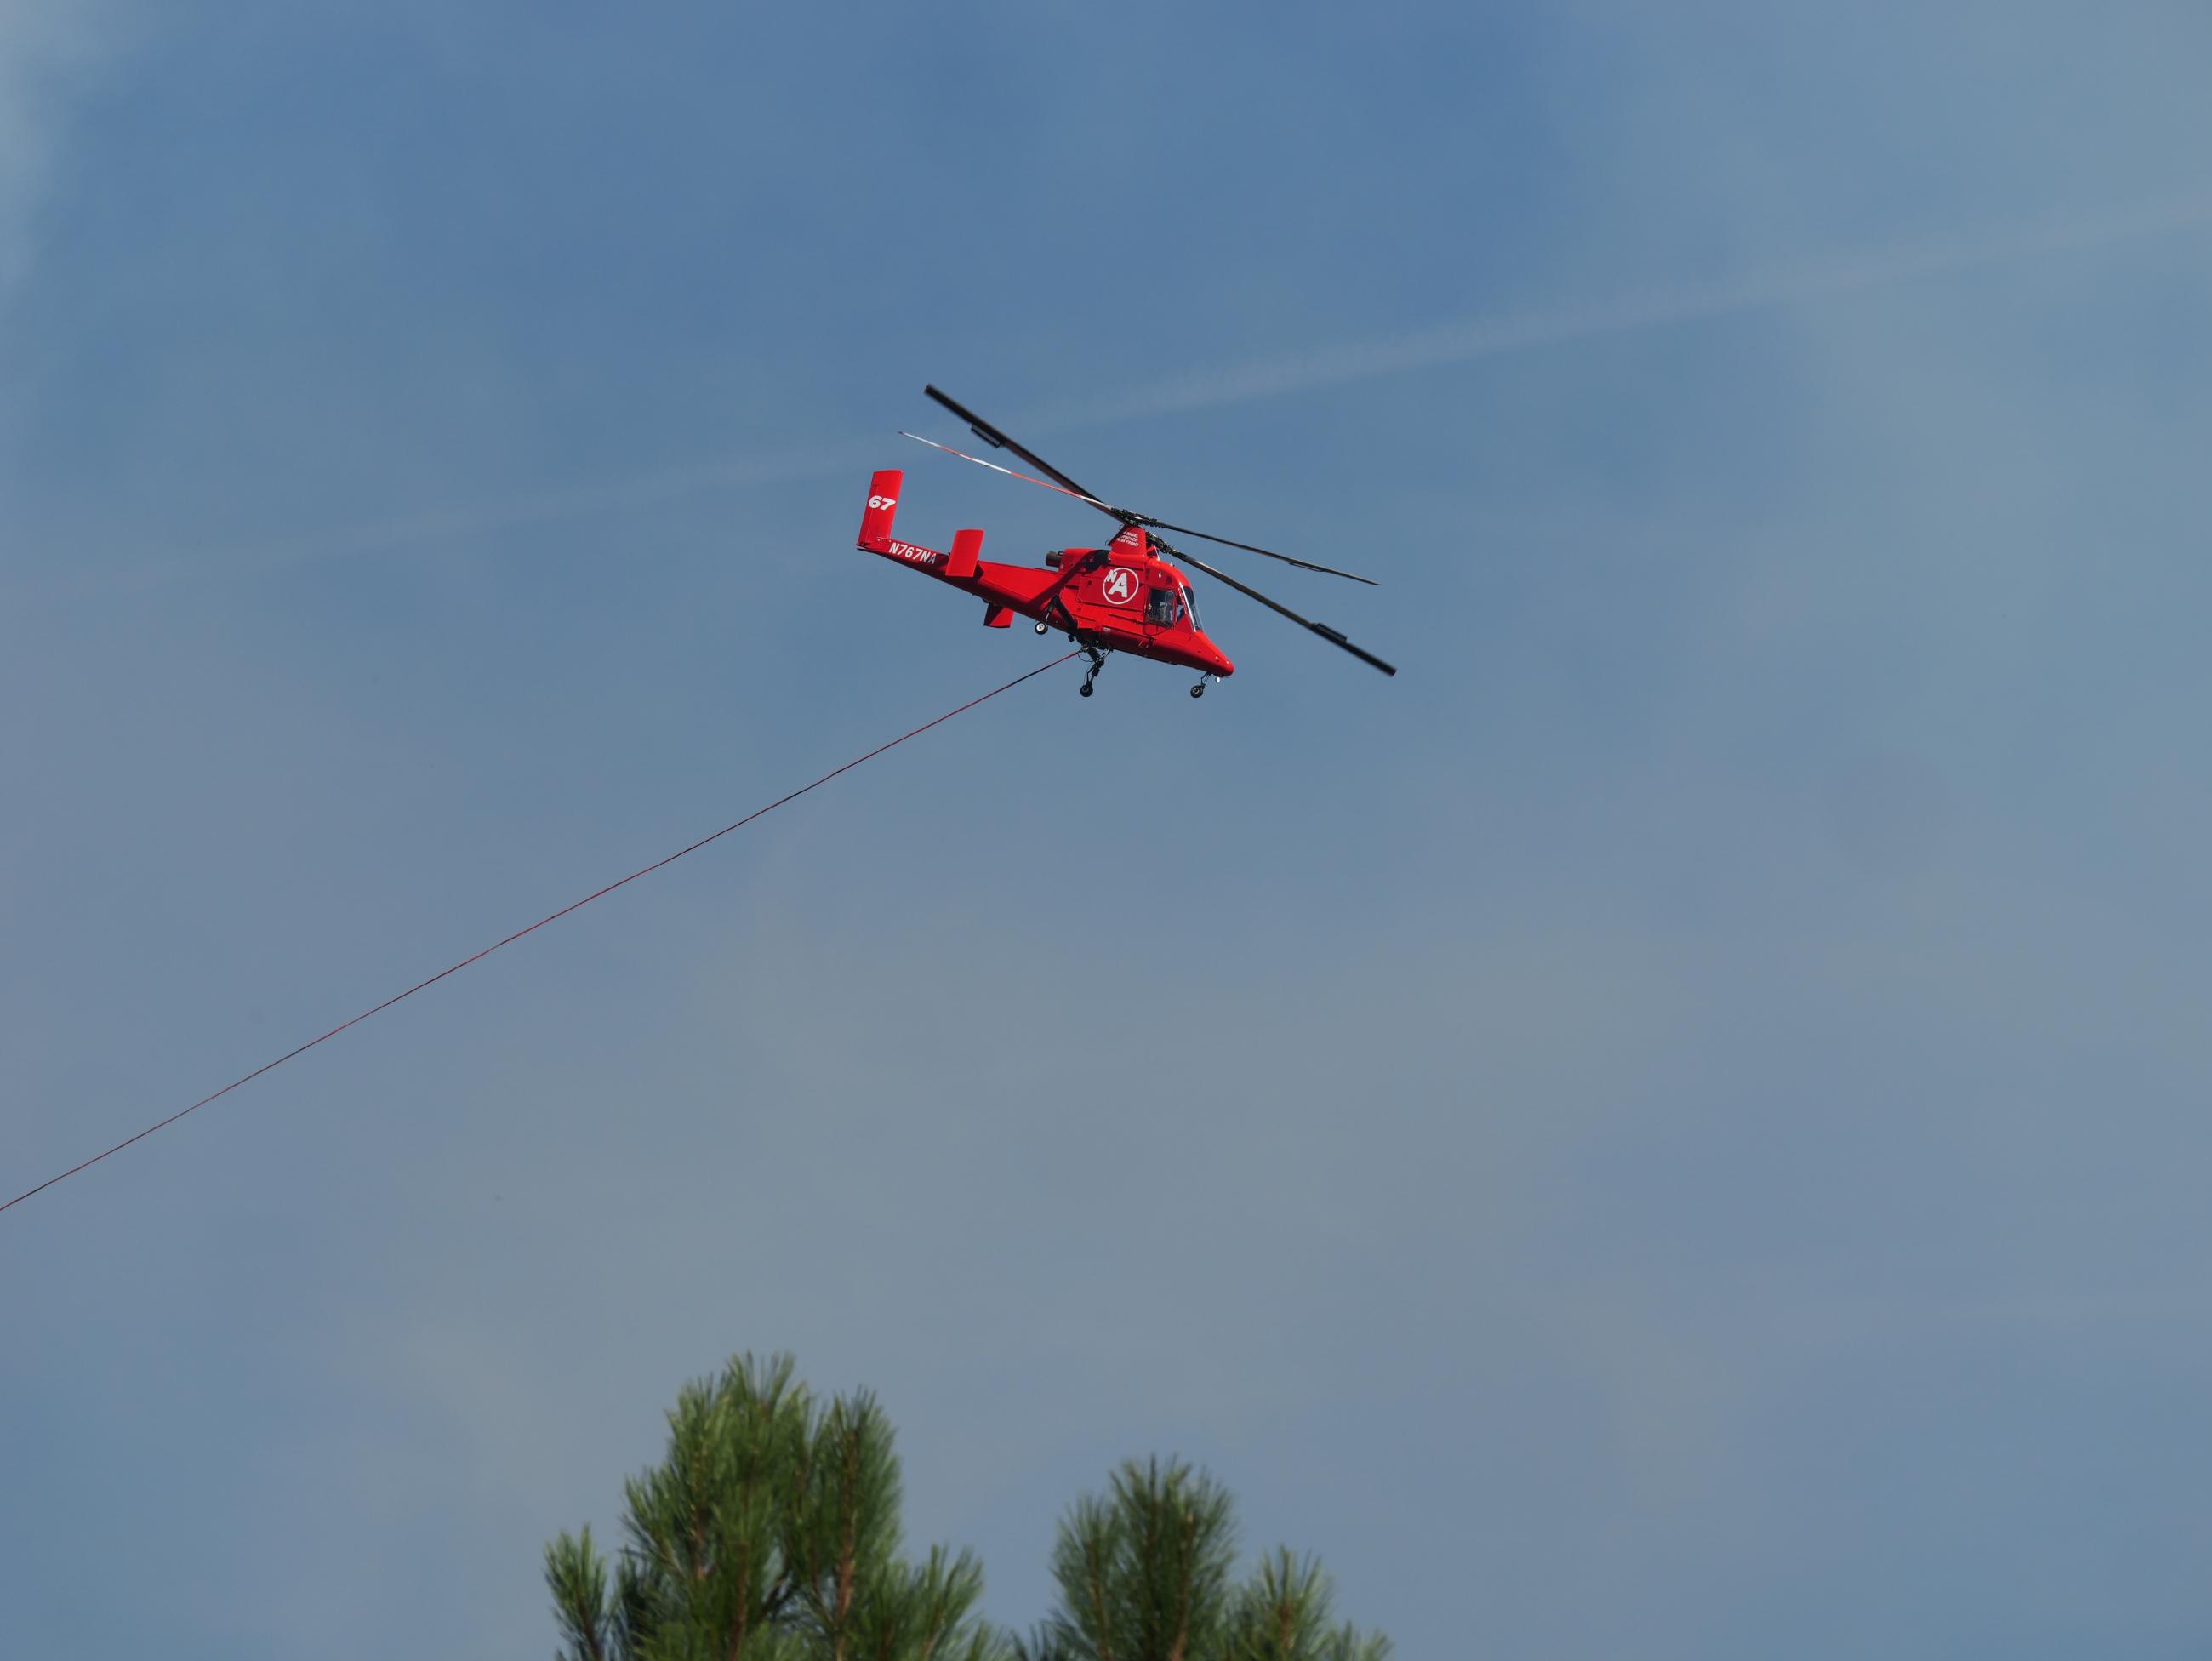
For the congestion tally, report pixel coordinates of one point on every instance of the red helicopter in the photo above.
(1125, 597)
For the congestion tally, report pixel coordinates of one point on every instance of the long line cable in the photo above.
(553, 916)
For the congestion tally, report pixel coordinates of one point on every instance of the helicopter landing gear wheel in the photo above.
(1085, 689)
(1097, 662)
(1044, 627)
(1199, 690)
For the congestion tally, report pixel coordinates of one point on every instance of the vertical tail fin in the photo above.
(883, 507)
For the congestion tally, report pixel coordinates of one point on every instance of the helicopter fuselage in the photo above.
(1124, 597)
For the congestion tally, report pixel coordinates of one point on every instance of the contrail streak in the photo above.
(1343, 364)
(536, 508)
(1487, 336)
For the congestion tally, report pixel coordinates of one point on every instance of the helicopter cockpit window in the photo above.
(1163, 607)
(1190, 605)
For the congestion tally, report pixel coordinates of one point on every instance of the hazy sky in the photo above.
(1675, 1128)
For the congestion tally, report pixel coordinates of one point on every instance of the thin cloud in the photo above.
(48, 49)
(1343, 364)
(1479, 337)
(536, 508)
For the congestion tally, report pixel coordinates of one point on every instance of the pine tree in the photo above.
(771, 1532)
(1144, 1575)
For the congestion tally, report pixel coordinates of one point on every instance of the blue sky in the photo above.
(1674, 1125)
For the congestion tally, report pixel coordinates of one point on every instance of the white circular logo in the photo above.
(1120, 587)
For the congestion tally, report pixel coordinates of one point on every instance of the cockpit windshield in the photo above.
(1190, 605)
(1163, 607)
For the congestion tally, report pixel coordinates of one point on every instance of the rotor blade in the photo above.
(1026, 478)
(1303, 565)
(1322, 629)
(990, 435)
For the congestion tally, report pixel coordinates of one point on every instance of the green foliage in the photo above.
(578, 1575)
(1144, 1575)
(769, 1532)
(1283, 1613)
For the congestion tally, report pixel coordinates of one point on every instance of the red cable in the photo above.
(555, 917)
